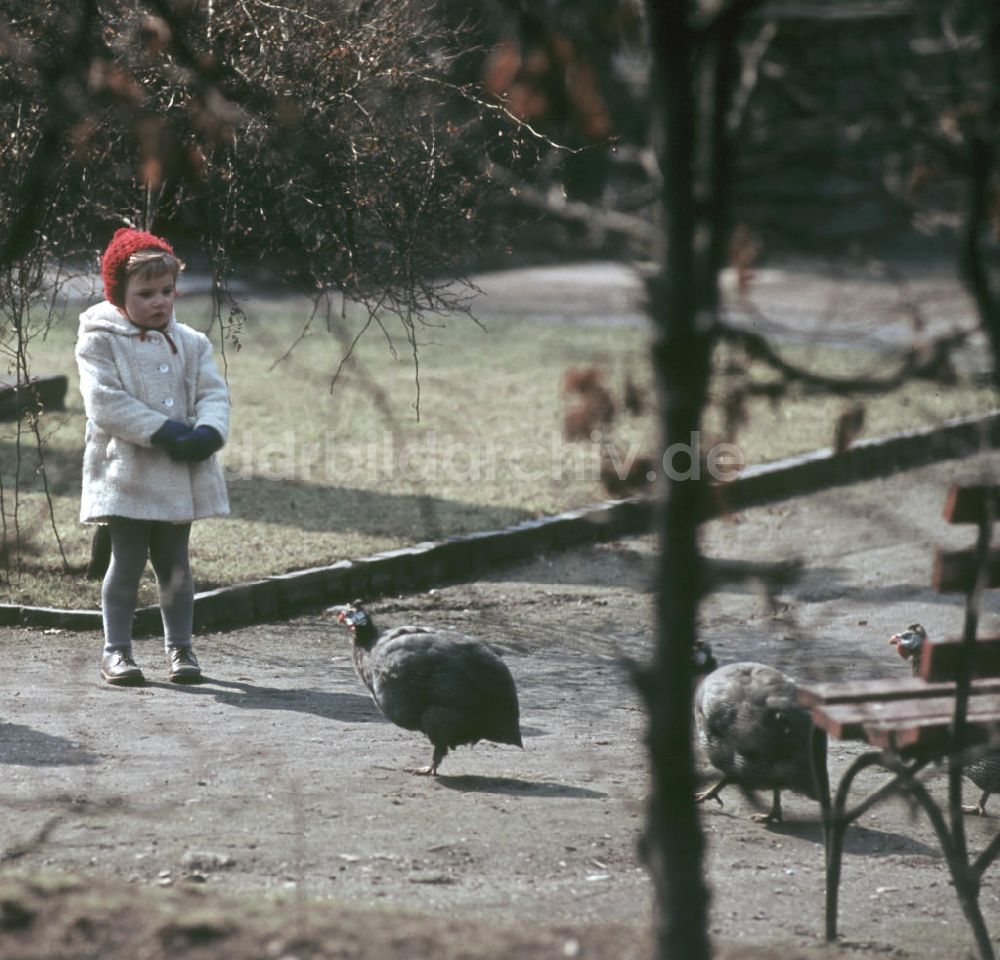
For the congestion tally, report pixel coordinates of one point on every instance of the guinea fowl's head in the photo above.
(909, 642)
(702, 659)
(360, 625)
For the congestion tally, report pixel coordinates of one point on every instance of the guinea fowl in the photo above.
(983, 770)
(752, 730)
(450, 687)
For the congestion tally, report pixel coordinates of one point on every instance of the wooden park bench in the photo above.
(946, 713)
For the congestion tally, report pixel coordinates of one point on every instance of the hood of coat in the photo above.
(105, 316)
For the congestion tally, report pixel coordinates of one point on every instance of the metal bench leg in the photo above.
(820, 774)
(965, 878)
(837, 822)
(821, 779)
(834, 859)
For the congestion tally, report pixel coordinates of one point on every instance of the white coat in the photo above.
(132, 383)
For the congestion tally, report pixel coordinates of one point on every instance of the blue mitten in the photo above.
(199, 444)
(168, 434)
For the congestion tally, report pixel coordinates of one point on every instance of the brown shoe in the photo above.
(183, 665)
(119, 668)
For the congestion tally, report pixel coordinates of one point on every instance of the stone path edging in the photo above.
(466, 556)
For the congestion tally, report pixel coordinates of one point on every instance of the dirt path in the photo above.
(278, 784)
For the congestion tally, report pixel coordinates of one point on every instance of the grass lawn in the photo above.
(319, 475)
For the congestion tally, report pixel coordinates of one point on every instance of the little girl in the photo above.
(157, 411)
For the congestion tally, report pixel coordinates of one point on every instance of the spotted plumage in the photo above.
(753, 732)
(450, 687)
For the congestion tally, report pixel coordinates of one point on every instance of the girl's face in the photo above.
(149, 300)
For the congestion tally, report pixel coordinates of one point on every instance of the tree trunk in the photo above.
(674, 844)
(696, 70)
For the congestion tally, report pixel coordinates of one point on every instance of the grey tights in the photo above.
(166, 546)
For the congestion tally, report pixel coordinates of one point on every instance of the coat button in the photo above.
(164, 368)
(169, 402)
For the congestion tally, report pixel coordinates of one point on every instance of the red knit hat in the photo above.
(124, 243)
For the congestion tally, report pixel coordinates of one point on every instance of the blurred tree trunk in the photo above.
(981, 229)
(695, 76)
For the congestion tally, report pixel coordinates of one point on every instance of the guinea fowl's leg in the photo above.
(439, 755)
(977, 808)
(712, 793)
(774, 816)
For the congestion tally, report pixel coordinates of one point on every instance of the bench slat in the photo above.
(927, 734)
(905, 688)
(939, 659)
(848, 721)
(955, 570)
(968, 503)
